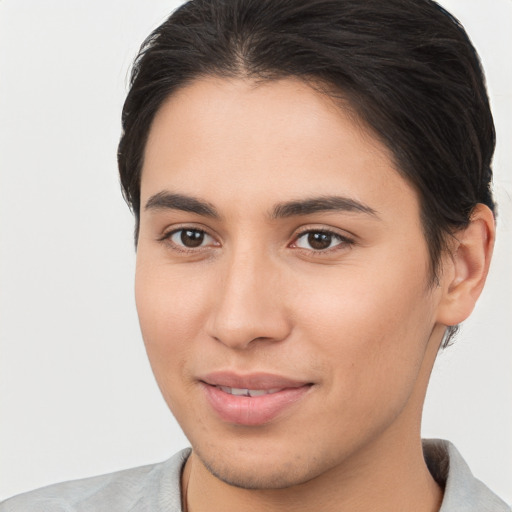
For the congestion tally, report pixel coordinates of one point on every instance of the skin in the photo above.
(359, 320)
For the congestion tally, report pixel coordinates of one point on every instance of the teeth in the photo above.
(248, 392)
(257, 392)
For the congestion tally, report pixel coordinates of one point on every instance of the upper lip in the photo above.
(258, 380)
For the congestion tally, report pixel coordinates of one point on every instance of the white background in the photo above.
(77, 396)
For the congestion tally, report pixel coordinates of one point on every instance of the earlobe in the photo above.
(467, 267)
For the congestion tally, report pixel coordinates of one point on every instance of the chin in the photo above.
(251, 478)
(258, 470)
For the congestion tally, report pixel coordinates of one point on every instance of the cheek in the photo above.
(171, 305)
(375, 327)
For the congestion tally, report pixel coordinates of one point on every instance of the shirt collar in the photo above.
(462, 491)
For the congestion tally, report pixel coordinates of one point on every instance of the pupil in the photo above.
(192, 238)
(319, 240)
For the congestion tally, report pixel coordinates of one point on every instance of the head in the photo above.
(392, 91)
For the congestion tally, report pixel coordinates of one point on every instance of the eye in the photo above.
(320, 240)
(190, 238)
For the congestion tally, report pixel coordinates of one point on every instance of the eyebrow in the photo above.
(173, 201)
(169, 201)
(320, 204)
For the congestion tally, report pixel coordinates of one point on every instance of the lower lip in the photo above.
(252, 411)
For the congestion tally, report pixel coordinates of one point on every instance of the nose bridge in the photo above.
(249, 304)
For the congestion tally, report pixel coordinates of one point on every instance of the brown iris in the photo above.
(318, 240)
(191, 237)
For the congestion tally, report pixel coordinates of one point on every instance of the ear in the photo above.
(465, 269)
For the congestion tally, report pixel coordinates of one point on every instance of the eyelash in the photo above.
(344, 241)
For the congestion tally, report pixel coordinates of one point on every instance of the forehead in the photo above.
(241, 139)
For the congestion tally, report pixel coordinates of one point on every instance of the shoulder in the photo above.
(154, 488)
(462, 491)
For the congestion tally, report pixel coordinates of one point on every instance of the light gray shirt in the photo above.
(156, 488)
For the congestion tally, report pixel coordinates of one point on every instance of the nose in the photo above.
(250, 304)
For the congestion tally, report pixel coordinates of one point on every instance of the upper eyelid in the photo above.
(318, 230)
(328, 230)
(170, 230)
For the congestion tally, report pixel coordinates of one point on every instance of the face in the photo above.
(282, 281)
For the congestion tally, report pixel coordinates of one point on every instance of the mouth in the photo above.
(251, 400)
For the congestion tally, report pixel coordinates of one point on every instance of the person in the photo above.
(311, 185)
